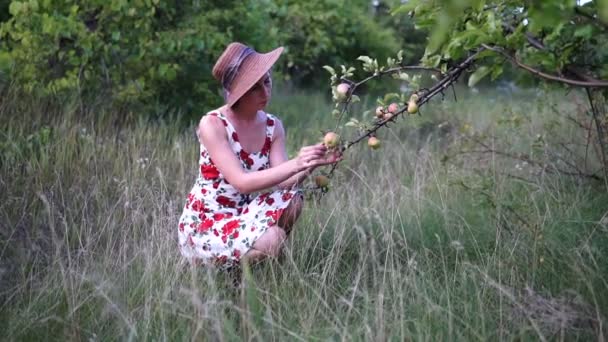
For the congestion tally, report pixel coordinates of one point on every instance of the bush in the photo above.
(321, 33)
(160, 53)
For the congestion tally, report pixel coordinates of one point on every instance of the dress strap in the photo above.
(230, 130)
(270, 125)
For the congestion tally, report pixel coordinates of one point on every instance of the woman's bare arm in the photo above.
(278, 156)
(212, 134)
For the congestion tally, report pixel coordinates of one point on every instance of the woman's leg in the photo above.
(270, 243)
(267, 245)
(291, 213)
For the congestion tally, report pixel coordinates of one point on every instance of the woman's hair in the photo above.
(232, 69)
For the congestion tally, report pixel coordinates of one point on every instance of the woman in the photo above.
(246, 197)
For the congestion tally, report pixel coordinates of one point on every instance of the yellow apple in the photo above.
(373, 142)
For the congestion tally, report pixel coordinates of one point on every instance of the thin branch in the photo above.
(527, 159)
(580, 11)
(586, 84)
(426, 96)
(393, 70)
(538, 44)
(600, 134)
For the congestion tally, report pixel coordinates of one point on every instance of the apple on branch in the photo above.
(373, 143)
(342, 91)
(321, 181)
(331, 140)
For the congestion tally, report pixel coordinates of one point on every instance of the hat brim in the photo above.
(250, 72)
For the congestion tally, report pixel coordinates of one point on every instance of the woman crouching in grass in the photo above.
(246, 197)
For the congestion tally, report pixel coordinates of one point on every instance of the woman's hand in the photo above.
(313, 156)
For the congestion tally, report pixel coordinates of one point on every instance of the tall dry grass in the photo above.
(407, 245)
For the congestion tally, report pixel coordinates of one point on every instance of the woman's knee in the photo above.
(271, 241)
(291, 213)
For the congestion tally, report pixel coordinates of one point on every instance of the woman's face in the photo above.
(259, 95)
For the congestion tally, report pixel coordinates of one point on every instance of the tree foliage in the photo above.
(161, 52)
(558, 38)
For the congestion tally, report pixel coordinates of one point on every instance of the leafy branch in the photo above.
(422, 96)
(514, 60)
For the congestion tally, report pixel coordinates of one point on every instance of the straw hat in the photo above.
(249, 72)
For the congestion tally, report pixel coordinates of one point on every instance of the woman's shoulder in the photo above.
(211, 121)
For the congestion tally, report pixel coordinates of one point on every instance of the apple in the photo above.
(412, 107)
(331, 139)
(373, 142)
(321, 181)
(393, 108)
(342, 90)
(379, 112)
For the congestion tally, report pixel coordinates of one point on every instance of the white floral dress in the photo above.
(219, 224)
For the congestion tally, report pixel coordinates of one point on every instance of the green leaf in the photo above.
(329, 69)
(479, 74)
(496, 71)
(365, 59)
(584, 32)
(14, 8)
(405, 8)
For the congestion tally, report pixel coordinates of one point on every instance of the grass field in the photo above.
(429, 238)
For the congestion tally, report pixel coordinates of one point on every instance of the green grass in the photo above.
(405, 246)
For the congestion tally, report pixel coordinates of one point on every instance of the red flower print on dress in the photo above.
(286, 196)
(225, 201)
(235, 137)
(216, 185)
(198, 206)
(269, 200)
(248, 161)
(262, 197)
(270, 122)
(209, 172)
(236, 253)
(181, 226)
(267, 144)
(220, 260)
(229, 227)
(218, 216)
(274, 214)
(205, 226)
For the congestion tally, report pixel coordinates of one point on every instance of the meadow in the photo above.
(429, 238)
